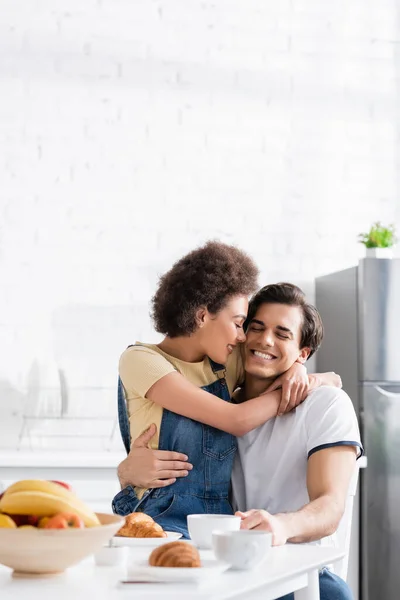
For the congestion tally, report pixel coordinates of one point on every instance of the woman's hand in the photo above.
(330, 378)
(295, 387)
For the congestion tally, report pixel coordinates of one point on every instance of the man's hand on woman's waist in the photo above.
(146, 468)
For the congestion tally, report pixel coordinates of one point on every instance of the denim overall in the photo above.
(211, 451)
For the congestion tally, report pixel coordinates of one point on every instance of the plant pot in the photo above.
(379, 252)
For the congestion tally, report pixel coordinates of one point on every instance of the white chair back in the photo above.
(343, 533)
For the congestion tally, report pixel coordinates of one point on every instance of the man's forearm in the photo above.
(314, 521)
(123, 474)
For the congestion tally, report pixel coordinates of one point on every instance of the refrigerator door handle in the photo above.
(379, 389)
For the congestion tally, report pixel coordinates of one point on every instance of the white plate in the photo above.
(172, 536)
(209, 568)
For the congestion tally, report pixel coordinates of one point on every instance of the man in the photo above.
(296, 467)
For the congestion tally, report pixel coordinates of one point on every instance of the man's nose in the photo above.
(268, 339)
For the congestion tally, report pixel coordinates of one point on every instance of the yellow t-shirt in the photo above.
(140, 367)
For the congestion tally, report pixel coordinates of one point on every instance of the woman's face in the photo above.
(220, 333)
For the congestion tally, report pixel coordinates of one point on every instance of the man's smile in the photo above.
(263, 355)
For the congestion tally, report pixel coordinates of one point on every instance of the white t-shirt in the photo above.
(270, 469)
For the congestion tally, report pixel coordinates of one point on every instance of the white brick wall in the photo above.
(133, 130)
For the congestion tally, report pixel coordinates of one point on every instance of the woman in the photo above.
(184, 384)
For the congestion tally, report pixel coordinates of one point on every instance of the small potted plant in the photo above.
(379, 240)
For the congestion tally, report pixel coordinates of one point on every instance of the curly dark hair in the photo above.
(208, 276)
(312, 330)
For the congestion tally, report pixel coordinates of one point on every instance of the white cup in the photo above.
(241, 549)
(111, 556)
(202, 526)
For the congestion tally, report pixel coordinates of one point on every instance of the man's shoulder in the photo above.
(330, 420)
(328, 393)
(327, 397)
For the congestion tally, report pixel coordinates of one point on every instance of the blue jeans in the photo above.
(331, 587)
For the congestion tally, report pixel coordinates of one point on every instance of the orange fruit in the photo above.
(7, 522)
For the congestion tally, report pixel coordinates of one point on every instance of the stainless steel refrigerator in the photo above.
(360, 308)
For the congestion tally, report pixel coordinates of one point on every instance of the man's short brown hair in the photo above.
(312, 330)
(208, 276)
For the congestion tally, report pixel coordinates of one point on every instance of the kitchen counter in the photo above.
(78, 468)
(81, 460)
(92, 475)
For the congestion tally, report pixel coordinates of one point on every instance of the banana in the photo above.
(41, 485)
(44, 499)
(42, 504)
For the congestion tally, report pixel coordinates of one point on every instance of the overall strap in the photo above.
(216, 367)
(123, 416)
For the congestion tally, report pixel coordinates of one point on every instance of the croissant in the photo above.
(175, 554)
(140, 525)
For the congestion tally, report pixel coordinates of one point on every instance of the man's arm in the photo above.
(329, 473)
(146, 468)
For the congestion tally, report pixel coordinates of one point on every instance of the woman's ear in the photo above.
(201, 316)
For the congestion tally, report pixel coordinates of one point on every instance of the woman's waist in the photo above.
(201, 494)
(193, 485)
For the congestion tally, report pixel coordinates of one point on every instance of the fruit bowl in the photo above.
(44, 552)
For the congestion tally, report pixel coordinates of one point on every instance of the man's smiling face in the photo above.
(273, 339)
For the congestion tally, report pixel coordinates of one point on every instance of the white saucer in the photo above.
(172, 536)
(143, 572)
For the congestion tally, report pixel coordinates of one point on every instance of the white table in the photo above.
(290, 568)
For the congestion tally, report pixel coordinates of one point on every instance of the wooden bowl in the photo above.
(45, 552)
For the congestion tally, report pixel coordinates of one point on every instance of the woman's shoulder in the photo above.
(142, 355)
(139, 348)
(142, 365)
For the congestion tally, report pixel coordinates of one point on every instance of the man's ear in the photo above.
(304, 354)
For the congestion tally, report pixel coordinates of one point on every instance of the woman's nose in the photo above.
(241, 336)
